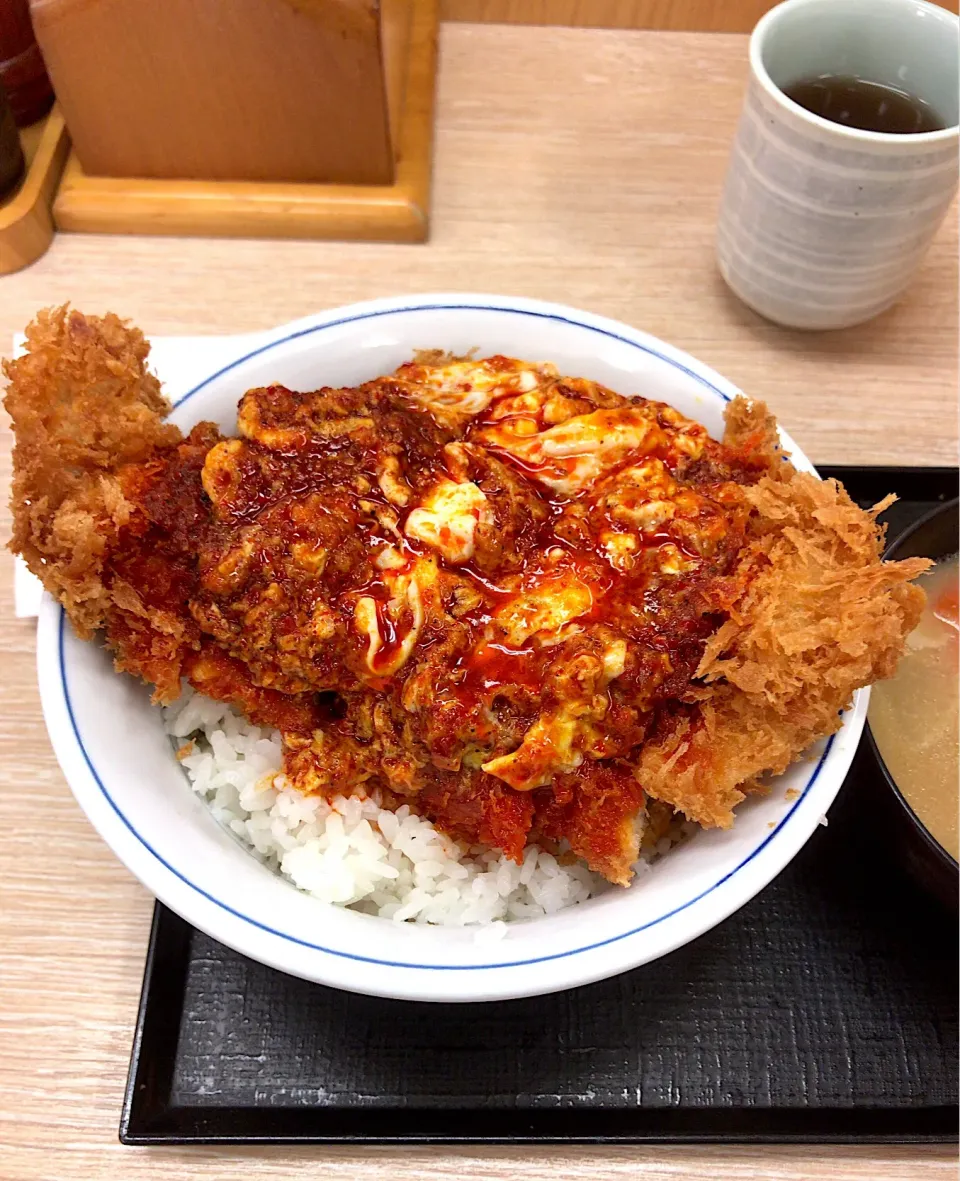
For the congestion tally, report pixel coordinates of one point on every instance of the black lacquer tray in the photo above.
(824, 1010)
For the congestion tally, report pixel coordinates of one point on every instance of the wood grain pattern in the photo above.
(191, 89)
(706, 16)
(396, 21)
(398, 212)
(26, 223)
(589, 173)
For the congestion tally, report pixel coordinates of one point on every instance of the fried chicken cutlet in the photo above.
(520, 602)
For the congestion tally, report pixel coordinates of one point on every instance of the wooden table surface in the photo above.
(580, 166)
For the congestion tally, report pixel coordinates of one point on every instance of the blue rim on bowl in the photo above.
(435, 964)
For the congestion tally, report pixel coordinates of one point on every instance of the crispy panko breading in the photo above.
(532, 608)
(820, 618)
(83, 405)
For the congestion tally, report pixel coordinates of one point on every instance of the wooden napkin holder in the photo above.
(395, 210)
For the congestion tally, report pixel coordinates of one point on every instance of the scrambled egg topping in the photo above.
(611, 464)
(447, 519)
(483, 578)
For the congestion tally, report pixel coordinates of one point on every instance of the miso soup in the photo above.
(914, 715)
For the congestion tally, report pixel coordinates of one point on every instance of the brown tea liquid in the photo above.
(871, 106)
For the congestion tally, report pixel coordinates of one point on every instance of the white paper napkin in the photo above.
(180, 362)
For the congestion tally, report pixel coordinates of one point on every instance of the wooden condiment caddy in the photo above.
(26, 222)
(285, 118)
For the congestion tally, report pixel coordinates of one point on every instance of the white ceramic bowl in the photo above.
(120, 765)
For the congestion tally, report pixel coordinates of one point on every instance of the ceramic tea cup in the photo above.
(823, 225)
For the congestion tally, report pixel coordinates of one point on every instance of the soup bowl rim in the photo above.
(893, 551)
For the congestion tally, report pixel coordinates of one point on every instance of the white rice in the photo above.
(350, 851)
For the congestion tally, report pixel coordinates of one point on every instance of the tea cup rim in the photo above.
(758, 69)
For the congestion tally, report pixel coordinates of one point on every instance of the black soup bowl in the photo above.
(933, 536)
